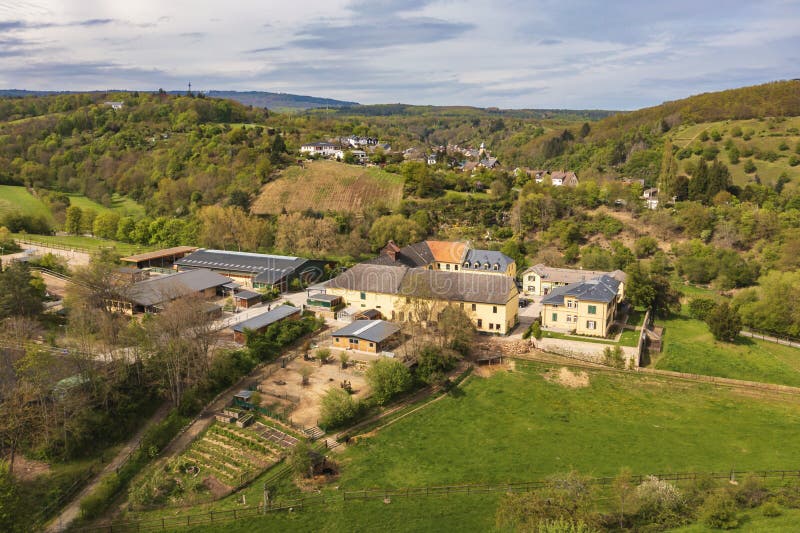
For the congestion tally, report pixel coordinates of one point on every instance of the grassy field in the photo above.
(766, 135)
(753, 521)
(519, 426)
(329, 186)
(690, 347)
(14, 198)
(91, 244)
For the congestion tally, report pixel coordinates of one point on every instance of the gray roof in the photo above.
(572, 275)
(486, 260)
(369, 330)
(370, 277)
(600, 289)
(163, 289)
(267, 319)
(269, 268)
(246, 295)
(322, 297)
(413, 255)
(422, 282)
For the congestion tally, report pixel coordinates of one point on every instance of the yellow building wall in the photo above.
(579, 316)
(501, 317)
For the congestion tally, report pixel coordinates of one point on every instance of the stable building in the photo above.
(159, 259)
(260, 323)
(151, 295)
(372, 336)
(255, 271)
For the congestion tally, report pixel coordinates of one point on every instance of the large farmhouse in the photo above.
(447, 256)
(420, 294)
(260, 271)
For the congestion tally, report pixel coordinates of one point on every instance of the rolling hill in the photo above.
(329, 186)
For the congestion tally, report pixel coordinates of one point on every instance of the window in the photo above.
(486, 266)
(353, 341)
(477, 265)
(491, 326)
(569, 318)
(496, 266)
(591, 324)
(363, 295)
(377, 307)
(447, 266)
(531, 288)
(455, 266)
(592, 309)
(336, 339)
(480, 323)
(555, 317)
(371, 345)
(474, 307)
(439, 265)
(466, 265)
(494, 309)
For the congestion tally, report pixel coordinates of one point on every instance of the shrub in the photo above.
(751, 492)
(724, 322)
(563, 525)
(749, 166)
(657, 499)
(771, 510)
(794, 161)
(719, 511)
(699, 308)
(337, 408)
(645, 246)
(387, 378)
(323, 354)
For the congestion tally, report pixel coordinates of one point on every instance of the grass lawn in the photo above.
(464, 196)
(89, 243)
(690, 347)
(16, 198)
(517, 426)
(119, 204)
(628, 337)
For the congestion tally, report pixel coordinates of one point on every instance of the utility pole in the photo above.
(189, 92)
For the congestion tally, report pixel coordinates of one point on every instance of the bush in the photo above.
(771, 510)
(724, 322)
(338, 408)
(645, 246)
(719, 511)
(387, 378)
(699, 308)
(749, 166)
(751, 492)
(658, 500)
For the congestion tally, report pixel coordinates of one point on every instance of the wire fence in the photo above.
(227, 515)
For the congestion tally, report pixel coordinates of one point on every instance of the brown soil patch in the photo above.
(217, 488)
(566, 378)
(485, 371)
(29, 469)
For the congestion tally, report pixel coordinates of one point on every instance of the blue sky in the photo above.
(504, 53)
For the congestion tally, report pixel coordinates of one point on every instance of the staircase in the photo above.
(332, 443)
(313, 433)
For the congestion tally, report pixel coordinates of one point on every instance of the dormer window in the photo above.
(477, 265)
(496, 266)
(466, 265)
(486, 266)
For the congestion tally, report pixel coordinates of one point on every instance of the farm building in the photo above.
(160, 258)
(262, 322)
(246, 299)
(371, 336)
(150, 295)
(260, 271)
(540, 280)
(448, 256)
(324, 305)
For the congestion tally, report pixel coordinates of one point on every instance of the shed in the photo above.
(158, 258)
(246, 299)
(261, 322)
(327, 301)
(371, 336)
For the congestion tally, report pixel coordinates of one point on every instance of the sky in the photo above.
(573, 54)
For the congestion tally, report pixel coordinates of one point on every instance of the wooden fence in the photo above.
(219, 517)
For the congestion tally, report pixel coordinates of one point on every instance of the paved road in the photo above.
(68, 515)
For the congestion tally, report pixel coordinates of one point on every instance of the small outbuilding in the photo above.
(246, 299)
(261, 322)
(371, 336)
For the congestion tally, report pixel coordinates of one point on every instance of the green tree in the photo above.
(21, 294)
(724, 322)
(387, 378)
(125, 229)
(300, 459)
(396, 228)
(106, 225)
(74, 221)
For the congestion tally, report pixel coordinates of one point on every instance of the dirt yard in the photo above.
(285, 386)
(566, 378)
(29, 469)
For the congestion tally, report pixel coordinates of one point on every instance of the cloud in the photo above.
(550, 42)
(394, 32)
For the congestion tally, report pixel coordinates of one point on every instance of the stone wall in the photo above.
(585, 351)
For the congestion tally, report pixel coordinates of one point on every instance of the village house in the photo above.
(559, 178)
(372, 336)
(420, 294)
(322, 149)
(650, 197)
(260, 323)
(252, 270)
(151, 295)
(358, 142)
(585, 308)
(540, 280)
(114, 105)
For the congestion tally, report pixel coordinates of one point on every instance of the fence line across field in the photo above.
(212, 517)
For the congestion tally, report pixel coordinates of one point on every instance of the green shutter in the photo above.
(555, 317)
(592, 309)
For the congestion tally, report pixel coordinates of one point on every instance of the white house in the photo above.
(432, 159)
(650, 197)
(360, 155)
(115, 105)
(323, 149)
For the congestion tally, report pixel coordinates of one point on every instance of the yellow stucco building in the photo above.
(586, 308)
(402, 293)
(540, 280)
